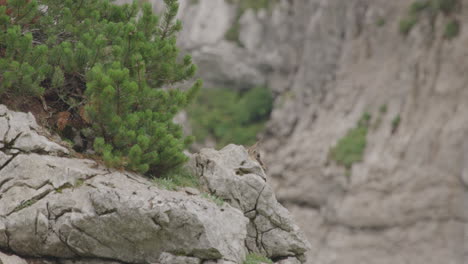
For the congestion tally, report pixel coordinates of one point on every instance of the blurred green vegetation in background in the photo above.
(430, 9)
(350, 149)
(229, 116)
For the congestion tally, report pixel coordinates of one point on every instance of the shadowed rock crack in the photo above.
(29, 202)
(92, 237)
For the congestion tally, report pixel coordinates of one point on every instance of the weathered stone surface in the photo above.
(76, 211)
(11, 259)
(167, 258)
(72, 208)
(233, 176)
(289, 261)
(62, 208)
(21, 132)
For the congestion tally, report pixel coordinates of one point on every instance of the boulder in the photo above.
(56, 208)
(70, 208)
(232, 175)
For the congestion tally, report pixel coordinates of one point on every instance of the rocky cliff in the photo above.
(329, 62)
(58, 208)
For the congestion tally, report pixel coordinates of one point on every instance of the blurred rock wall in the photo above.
(328, 62)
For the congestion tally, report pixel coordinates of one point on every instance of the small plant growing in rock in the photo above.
(215, 199)
(446, 6)
(418, 6)
(431, 7)
(253, 258)
(178, 177)
(350, 149)
(396, 123)
(452, 29)
(406, 24)
(233, 33)
(380, 22)
(383, 109)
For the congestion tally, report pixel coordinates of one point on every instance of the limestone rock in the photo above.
(167, 258)
(11, 259)
(76, 211)
(233, 176)
(20, 132)
(72, 209)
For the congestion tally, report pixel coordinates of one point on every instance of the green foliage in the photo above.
(378, 121)
(253, 258)
(406, 24)
(79, 183)
(446, 6)
(215, 199)
(25, 204)
(452, 29)
(231, 117)
(383, 109)
(120, 61)
(22, 65)
(432, 7)
(233, 33)
(418, 6)
(396, 123)
(177, 177)
(165, 183)
(350, 149)
(380, 22)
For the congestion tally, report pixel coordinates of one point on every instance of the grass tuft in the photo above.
(253, 258)
(179, 177)
(350, 149)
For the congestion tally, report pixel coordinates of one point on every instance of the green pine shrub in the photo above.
(350, 149)
(23, 66)
(120, 62)
(229, 116)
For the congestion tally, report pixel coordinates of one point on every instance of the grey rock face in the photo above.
(233, 176)
(11, 259)
(19, 132)
(76, 211)
(71, 209)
